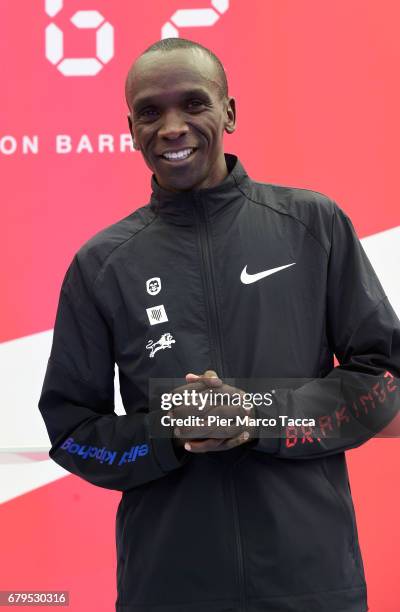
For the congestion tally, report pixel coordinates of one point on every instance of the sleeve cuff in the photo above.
(267, 440)
(167, 455)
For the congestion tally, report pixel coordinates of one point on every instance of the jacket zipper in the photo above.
(210, 298)
(216, 350)
(238, 546)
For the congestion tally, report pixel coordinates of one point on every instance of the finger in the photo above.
(215, 430)
(212, 378)
(204, 432)
(236, 441)
(192, 376)
(207, 374)
(209, 378)
(202, 446)
(197, 385)
(210, 374)
(212, 444)
(206, 381)
(191, 433)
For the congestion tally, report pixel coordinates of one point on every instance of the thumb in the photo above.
(207, 374)
(212, 378)
(209, 378)
(210, 374)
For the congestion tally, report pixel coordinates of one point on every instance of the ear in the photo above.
(131, 131)
(230, 121)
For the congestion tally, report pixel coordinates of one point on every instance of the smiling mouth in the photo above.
(178, 160)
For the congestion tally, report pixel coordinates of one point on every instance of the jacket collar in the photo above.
(178, 207)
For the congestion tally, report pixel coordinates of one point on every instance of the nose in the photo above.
(173, 125)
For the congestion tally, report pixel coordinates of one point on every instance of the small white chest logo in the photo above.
(153, 285)
(163, 343)
(157, 314)
(247, 278)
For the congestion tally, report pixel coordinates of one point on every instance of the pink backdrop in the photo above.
(317, 94)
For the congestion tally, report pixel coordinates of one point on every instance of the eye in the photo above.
(146, 111)
(199, 103)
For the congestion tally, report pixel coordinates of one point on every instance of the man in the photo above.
(222, 282)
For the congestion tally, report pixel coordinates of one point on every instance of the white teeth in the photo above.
(179, 155)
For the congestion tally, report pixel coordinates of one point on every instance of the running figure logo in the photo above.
(163, 343)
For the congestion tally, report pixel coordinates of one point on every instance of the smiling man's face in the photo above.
(176, 104)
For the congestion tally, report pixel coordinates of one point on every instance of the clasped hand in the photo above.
(228, 433)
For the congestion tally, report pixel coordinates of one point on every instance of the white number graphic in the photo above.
(194, 17)
(79, 66)
(90, 66)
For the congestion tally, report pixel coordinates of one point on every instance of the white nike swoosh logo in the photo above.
(247, 279)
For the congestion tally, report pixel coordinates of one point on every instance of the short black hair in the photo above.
(170, 44)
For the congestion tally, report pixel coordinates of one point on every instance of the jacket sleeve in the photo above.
(361, 396)
(77, 399)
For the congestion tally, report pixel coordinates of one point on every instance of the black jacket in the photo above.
(269, 525)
